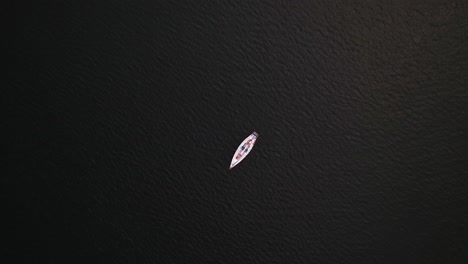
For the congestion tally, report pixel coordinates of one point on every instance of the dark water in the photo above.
(126, 116)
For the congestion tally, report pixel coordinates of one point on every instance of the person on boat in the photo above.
(244, 148)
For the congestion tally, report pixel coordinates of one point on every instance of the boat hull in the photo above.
(244, 149)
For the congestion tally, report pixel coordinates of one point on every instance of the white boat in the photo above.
(244, 149)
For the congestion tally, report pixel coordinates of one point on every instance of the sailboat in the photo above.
(244, 149)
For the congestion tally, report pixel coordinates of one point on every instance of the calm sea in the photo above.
(126, 115)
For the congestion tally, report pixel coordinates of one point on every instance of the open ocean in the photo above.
(123, 117)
